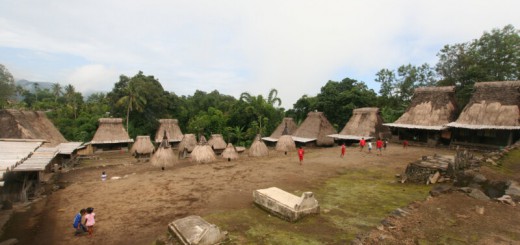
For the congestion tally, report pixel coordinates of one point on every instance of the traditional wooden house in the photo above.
(491, 118)
(288, 123)
(24, 166)
(173, 132)
(110, 135)
(424, 122)
(314, 131)
(217, 143)
(143, 147)
(365, 123)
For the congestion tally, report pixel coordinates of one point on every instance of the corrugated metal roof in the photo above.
(38, 160)
(303, 140)
(349, 137)
(270, 139)
(413, 126)
(68, 148)
(12, 153)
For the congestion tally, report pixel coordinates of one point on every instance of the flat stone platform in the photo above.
(286, 205)
(193, 230)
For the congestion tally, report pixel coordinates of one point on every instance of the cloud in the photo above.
(93, 78)
(237, 46)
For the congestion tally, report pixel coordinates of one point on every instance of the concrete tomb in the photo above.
(286, 205)
(193, 230)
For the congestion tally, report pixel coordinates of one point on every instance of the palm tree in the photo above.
(56, 91)
(132, 99)
(70, 95)
(273, 97)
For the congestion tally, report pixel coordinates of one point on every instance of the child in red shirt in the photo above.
(300, 154)
(379, 146)
(362, 143)
(343, 149)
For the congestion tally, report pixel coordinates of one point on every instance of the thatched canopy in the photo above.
(142, 145)
(202, 153)
(188, 143)
(494, 105)
(217, 142)
(316, 126)
(258, 148)
(431, 108)
(164, 157)
(230, 152)
(16, 124)
(365, 122)
(111, 131)
(285, 144)
(172, 129)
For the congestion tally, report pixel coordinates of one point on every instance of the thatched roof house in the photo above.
(230, 152)
(315, 128)
(492, 116)
(188, 143)
(111, 134)
(202, 153)
(16, 124)
(164, 156)
(288, 123)
(285, 144)
(258, 148)
(429, 112)
(142, 145)
(172, 129)
(365, 123)
(217, 142)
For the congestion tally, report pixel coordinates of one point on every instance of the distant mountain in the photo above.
(29, 85)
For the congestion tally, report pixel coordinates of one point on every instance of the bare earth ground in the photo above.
(355, 194)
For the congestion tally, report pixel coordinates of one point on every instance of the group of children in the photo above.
(84, 221)
(380, 145)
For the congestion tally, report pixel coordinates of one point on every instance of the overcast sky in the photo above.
(234, 46)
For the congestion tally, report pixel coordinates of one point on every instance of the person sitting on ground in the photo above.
(80, 228)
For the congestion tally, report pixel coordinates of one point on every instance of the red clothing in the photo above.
(343, 149)
(379, 144)
(362, 142)
(301, 152)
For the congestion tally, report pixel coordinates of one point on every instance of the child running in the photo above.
(362, 143)
(300, 154)
(343, 149)
(379, 146)
(90, 220)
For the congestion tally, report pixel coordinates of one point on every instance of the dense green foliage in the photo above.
(141, 99)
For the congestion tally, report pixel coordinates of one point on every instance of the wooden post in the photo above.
(510, 140)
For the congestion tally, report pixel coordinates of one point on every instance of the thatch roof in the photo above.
(217, 142)
(316, 126)
(431, 108)
(111, 131)
(230, 152)
(291, 128)
(188, 142)
(172, 129)
(494, 105)
(202, 153)
(365, 122)
(142, 145)
(163, 157)
(258, 148)
(285, 144)
(16, 124)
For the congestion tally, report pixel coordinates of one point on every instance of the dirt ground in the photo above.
(137, 208)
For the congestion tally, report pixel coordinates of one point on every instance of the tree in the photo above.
(7, 86)
(132, 100)
(56, 91)
(272, 98)
(493, 57)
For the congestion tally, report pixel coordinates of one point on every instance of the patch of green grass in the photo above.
(351, 203)
(510, 163)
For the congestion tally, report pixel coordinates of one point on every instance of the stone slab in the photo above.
(286, 205)
(193, 230)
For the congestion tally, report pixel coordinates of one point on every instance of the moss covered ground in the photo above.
(353, 202)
